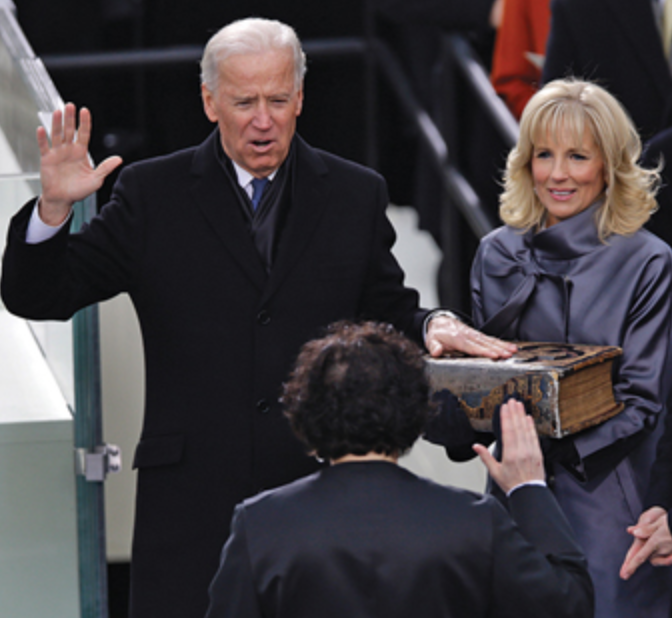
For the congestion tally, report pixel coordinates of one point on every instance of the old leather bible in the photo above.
(567, 387)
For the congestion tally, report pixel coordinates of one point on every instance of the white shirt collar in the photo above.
(245, 178)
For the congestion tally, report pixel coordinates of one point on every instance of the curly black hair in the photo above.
(360, 389)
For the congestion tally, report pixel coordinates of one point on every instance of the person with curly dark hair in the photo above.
(365, 537)
(359, 390)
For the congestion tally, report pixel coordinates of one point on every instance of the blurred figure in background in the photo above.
(658, 153)
(619, 45)
(520, 49)
(629, 55)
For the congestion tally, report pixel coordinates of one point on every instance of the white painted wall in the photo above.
(39, 573)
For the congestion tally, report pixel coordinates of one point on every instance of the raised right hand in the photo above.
(65, 170)
(522, 460)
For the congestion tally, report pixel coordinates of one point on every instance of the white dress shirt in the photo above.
(38, 231)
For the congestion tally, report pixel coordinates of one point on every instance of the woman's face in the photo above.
(568, 177)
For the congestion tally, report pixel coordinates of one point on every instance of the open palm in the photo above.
(66, 172)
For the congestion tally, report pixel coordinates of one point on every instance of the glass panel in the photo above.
(68, 350)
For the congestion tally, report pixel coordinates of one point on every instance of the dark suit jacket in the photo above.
(617, 44)
(219, 334)
(370, 539)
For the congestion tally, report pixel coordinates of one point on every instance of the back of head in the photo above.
(574, 106)
(253, 35)
(360, 389)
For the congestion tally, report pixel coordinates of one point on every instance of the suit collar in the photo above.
(244, 177)
(215, 196)
(308, 201)
(363, 469)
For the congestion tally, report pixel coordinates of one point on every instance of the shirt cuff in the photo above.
(38, 231)
(435, 314)
(538, 483)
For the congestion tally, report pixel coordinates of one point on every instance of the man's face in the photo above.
(256, 106)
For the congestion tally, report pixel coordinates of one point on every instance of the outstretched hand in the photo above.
(446, 335)
(65, 169)
(522, 460)
(652, 542)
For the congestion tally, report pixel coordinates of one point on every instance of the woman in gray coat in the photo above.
(573, 264)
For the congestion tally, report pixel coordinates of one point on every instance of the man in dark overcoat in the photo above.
(234, 253)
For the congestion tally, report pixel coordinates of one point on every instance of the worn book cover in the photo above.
(568, 387)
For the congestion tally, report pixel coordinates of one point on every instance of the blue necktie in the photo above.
(258, 186)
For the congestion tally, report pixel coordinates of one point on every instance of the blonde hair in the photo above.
(574, 105)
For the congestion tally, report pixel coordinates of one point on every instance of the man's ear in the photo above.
(209, 104)
(299, 96)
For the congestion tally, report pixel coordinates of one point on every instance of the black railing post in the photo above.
(450, 282)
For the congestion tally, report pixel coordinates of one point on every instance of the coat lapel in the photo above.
(218, 202)
(309, 200)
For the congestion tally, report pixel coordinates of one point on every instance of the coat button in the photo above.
(263, 317)
(263, 406)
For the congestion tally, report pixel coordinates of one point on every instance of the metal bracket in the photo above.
(96, 465)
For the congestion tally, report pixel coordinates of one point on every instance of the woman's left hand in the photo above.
(653, 542)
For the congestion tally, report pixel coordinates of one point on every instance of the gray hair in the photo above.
(253, 35)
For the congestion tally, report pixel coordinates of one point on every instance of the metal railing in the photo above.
(454, 183)
(184, 54)
(460, 198)
(462, 54)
